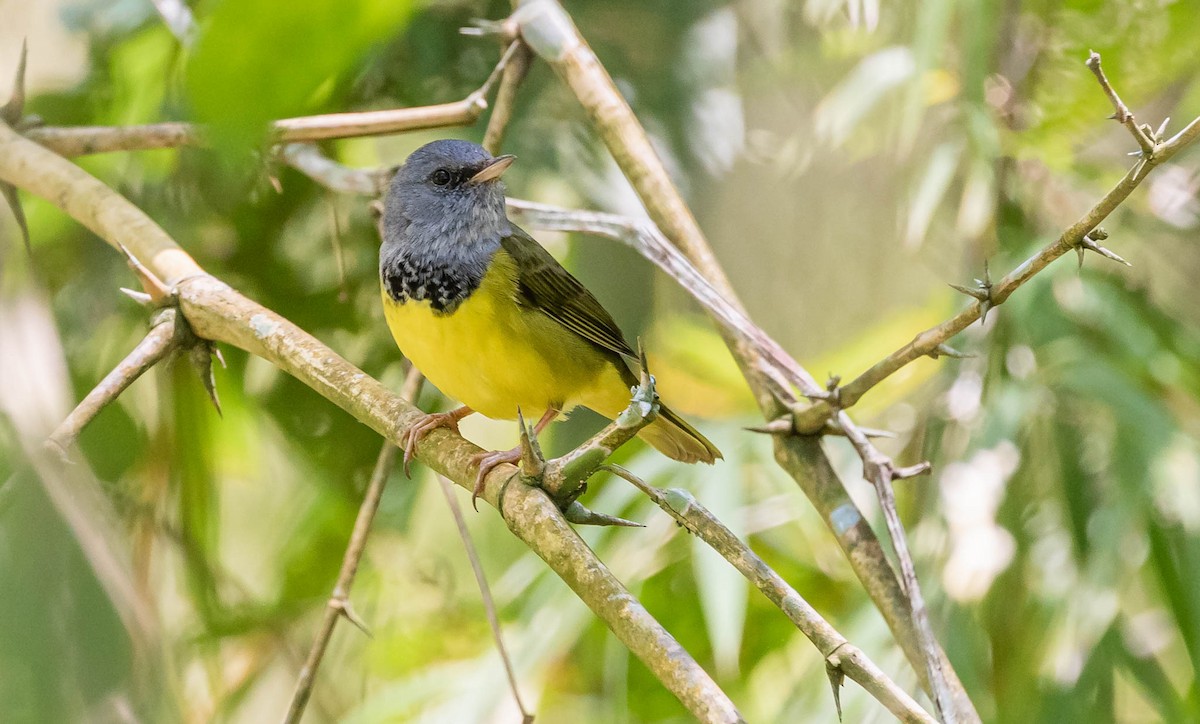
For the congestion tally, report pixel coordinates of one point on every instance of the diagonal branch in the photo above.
(550, 32)
(339, 601)
(159, 342)
(218, 313)
(1121, 112)
(1077, 236)
(881, 471)
(839, 653)
(506, 95)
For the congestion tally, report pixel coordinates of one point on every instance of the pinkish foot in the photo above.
(429, 424)
(487, 461)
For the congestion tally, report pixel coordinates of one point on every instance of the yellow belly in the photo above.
(493, 356)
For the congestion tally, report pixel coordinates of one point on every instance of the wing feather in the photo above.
(545, 285)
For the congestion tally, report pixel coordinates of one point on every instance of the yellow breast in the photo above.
(493, 355)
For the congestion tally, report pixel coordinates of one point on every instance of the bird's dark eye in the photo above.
(441, 177)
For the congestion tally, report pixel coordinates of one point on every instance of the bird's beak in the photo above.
(493, 170)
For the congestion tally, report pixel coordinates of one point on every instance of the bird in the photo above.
(491, 318)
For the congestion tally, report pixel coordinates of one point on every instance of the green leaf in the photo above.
(260, 60)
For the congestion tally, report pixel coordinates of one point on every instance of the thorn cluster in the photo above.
(982, 292)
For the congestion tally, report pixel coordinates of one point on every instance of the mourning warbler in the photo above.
(490, 317)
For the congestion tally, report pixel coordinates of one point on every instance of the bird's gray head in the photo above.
(447, 194)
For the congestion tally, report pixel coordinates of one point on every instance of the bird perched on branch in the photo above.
(490, 317)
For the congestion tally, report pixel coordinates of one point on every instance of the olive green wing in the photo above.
(545, 285)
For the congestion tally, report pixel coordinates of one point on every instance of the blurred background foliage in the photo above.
(847, 158)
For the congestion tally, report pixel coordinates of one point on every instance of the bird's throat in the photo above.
(443, 276)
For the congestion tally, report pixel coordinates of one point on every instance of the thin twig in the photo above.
(485, 593)
(506, 95)
(339, 601)
(839, 652)
(339, 257)
(82, 140)
(1121, 112)
(881, 471)
(159, 342)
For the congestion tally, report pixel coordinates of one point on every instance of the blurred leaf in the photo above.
(978, 199)
(839, 113)
(931, 189)
(932, 24)
(259, 60)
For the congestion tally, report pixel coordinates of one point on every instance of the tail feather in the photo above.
(671, 435)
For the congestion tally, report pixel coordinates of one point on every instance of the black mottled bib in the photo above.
(444, 284)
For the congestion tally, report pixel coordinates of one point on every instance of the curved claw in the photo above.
(487, 461)
(430, 423)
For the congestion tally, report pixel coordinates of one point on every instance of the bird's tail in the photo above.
(671, 435)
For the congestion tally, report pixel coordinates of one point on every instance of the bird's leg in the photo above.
(430, 423)
(489, 460)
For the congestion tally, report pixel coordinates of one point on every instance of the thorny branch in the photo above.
(169, 332)
(563, 478)
(840, 655)
(550, 32)
(775, 365)
(1083, 234)
(218, 313)
(159, 342)
(881, 471)
(1121, 112)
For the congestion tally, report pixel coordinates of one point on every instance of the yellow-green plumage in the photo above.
(495, 355)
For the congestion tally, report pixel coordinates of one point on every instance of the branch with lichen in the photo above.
(218, 313)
